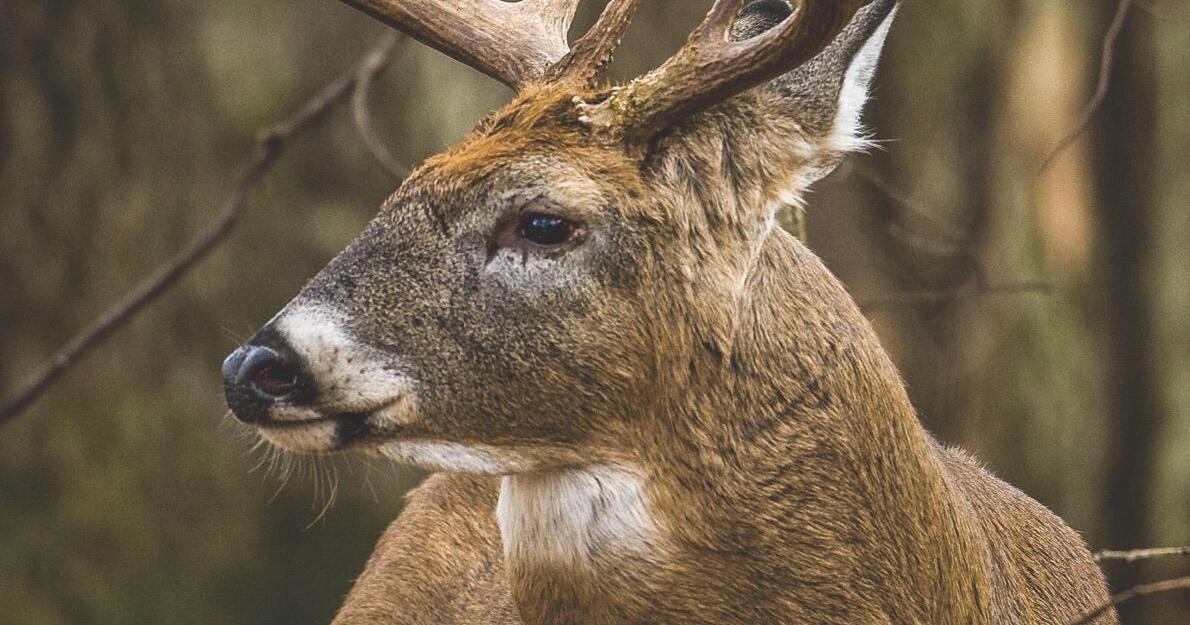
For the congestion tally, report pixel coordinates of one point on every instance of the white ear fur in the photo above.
(848, 133)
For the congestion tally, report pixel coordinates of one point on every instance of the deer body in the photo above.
(651, 404)
(823, 501)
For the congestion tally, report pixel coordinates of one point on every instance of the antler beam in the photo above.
(711, 68)
(524, 42)
(515, 43)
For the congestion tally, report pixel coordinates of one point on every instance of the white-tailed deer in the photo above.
(647, 403)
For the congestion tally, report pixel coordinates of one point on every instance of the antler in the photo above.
(594, 50)
(524, 42)
(515, 43)
(710, 67)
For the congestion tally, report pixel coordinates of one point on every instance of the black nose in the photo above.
(261, 374)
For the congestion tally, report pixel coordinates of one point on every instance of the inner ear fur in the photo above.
(750, 156)
(835, 82)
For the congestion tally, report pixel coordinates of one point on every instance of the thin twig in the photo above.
(271, 143)
(1106, 60)
(918, 226)
(948, 295)
(906, 207)
(793, 218)
(976, 283)
(1140, 554)
(360, 114)
(1161, 13)
(1143, 590)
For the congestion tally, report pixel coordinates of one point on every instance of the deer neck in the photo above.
(769, 490)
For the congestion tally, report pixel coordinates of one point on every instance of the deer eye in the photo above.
(545, 230)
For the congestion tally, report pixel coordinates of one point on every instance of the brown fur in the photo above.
(456, 574)
(848, 513)
(689, 343)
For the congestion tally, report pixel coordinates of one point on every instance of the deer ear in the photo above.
(825, 96)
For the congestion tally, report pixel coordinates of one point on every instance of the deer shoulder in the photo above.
(439, 563)
(657, 406)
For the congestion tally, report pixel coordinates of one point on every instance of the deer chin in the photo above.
(384, 429)
(313, 435)
(324, 431)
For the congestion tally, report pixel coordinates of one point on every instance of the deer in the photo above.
(642, 401)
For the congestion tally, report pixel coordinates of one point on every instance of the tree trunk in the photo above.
(1125, 156)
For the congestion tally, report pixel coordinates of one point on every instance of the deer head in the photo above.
(589, 297)
(530, 298)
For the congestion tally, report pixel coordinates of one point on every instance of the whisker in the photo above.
(332, 478)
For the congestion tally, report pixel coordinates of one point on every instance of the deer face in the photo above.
(493, 304)
(511, 306)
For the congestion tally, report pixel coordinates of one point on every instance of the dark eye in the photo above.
(545, 230)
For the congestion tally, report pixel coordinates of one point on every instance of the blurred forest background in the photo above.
(1040, 318)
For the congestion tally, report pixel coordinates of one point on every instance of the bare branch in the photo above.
(270, 144)
(939, 238)
(1143, 590)
(906, 208)
(974, 290)
(1106, 59)
(793, 218)
(1162, 12)
(1134, 555)
(371, 65)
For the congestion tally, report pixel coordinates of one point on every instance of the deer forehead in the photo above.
(538, 128)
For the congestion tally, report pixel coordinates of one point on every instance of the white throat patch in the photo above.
(575, 515)
(456, 457)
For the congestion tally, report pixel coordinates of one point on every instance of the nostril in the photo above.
(263, 374)
(277, 380)
(268, 372)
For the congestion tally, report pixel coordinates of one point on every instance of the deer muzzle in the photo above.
(307, 386)
(263, 374)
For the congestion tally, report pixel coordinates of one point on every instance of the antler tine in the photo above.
(515, 43)
(710, 68)
(556, 15)
(718, 21)
(593, 51)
